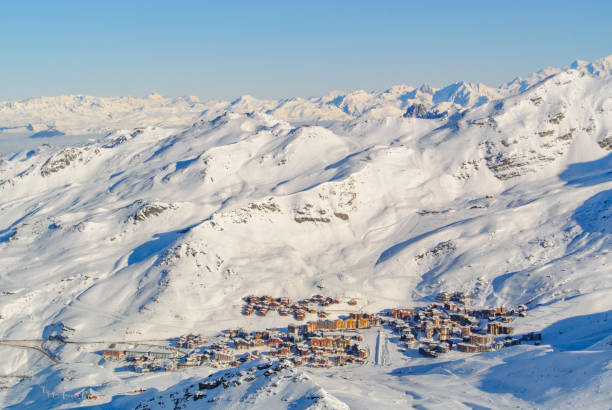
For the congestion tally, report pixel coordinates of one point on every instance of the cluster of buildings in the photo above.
(316, 344)
(144, 361)
(447, 324)
(353, 322)
(190, 341)
(450, 324)
(320, 343)
(261, 305)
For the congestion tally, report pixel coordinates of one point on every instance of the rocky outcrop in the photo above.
(420, 111)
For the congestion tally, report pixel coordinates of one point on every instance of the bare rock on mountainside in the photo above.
(65, 158)
(146, 210)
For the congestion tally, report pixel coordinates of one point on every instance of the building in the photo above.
(321, 342)
(151, 354)
(468, 348)
(363, 323)
(493, 328)
(241, 344)
(403, 314)
(478, 339)
(293, 330)
(113, 354)
(274, 342)
(223, 357)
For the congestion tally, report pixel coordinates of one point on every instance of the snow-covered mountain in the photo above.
(182, 208)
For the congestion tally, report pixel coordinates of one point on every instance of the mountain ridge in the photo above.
(81, 114)
(149, 233)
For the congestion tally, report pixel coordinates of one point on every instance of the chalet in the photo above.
(261, 335)
(113, 354)
(274, 342)
(321, 342)
(443, 297)
(342, 342)
(284, 301)
(235, 333)
(427, 352)
(241, 344)
(251, 299)
(190, 341)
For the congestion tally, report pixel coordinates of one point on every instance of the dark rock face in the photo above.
(606, 143)
(420, 111)
(148, 210)
(415, 111)
(61, 160)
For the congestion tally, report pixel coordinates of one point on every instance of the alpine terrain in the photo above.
(126, 223)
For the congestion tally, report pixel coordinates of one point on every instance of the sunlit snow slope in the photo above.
(158, 231)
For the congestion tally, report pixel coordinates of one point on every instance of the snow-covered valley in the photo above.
(136, 221)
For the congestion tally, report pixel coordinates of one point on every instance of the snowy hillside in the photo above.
(139, 220)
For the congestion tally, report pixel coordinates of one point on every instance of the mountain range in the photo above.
(130, 219)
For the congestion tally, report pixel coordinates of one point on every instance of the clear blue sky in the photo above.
(274, 49)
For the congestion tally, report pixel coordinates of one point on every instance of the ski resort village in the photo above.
(413, 247)
(445, 325)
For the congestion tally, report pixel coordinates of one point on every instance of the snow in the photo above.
(145, 219)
